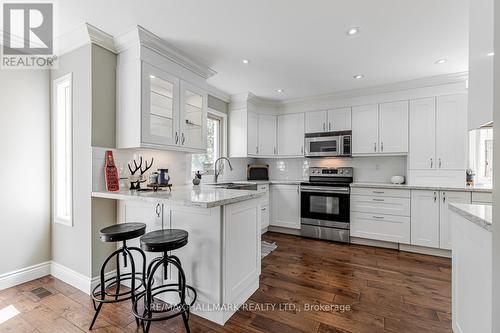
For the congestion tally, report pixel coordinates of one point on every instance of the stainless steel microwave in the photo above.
(332, 144)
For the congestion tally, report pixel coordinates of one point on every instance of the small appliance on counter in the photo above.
(258, 172)
(397, 180)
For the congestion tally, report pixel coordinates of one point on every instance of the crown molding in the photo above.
(216, 92)
(143, 37)
(83, 35)
(386, 88)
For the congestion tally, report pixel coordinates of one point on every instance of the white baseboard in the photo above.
(425, 250)
(23, 275)
(74, 278)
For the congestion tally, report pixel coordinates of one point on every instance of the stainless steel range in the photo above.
(325, 201)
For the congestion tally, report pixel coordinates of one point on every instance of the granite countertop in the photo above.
(476, 213)
(477, 188)
(185, 195)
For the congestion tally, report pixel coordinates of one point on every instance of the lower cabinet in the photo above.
(425, 218)
(264, 217)
(447, 197)
(285, 206)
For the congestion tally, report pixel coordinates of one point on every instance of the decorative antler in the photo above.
(136, 185)
(137, 167)
(147, 167)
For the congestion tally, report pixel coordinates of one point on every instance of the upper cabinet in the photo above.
(481, 29)
(161, 96)
(328, 121)
(267, 135)
(291, 135)
(380, 129)
(422, 133)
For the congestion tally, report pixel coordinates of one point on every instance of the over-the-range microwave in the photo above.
(331, 144)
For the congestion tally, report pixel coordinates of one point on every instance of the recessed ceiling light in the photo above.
(353, 31)
(245, 61)
(152, 76)
(490, 54)
(359, 77)
(441, 61)
(279, 90)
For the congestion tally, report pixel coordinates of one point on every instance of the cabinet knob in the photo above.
(375, 147)
(324, 126)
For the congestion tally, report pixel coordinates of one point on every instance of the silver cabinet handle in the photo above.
(176, 138)
(158, 210)
(274, 150)
(183, 138)
(324, 126)
(302, 150)
(432, 162)
(298, 189)
(378, 217)
(378, 199)
(378, 192)
(329, 126)
(440, 162)
(381, 146)
(444, 197)
(435, 197)
(257, 150)
(375, 147)
(263, 208)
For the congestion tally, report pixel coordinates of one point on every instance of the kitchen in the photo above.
(342, 194)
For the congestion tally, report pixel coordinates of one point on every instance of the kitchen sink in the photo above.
(235, 186)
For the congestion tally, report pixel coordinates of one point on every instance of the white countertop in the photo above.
(476, 213)
(204, 196)
(422, 187)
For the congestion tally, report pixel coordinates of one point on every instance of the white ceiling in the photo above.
(298, 46)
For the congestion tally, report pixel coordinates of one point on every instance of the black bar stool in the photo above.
(101, 293)
(164, 241)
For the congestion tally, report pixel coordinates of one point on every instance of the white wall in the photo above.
(25, 168)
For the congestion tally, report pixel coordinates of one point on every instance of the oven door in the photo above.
(325, 206)
(323, 146)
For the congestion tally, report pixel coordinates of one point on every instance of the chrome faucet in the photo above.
(217, 172)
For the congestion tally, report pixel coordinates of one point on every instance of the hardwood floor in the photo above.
(369, 290)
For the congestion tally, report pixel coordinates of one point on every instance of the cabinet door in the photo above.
(425, 218)
(451, 132)
(339, 119)
(253, 132)
(193, 115)
(160, 107)
(365, 129)
(316, 121)
(445, 198)
(285, 206)
(291, 135)
(267, 135)
(422, 134)
(264, 216)
(393, 127)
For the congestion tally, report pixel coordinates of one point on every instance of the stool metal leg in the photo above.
(118, 281)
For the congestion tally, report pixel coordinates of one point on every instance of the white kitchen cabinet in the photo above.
(393, 127)
(422, 153)
(161, 104)
(482, 197)
(316, 121)
(425, 218)
(328, 121)
(285, 206)
(267, 135)
(447, 197)
(264, 207)
(264, 217)
(253, 133)
(339, 119)
(451, 132)
(193, 115)
(480, 90)
(291, 135)
(365, 129)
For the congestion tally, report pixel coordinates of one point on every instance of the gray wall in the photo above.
(71, 246)
(25, 168)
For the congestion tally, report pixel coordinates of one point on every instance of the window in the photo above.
(62, 150)
(481, 154)
(215, 126)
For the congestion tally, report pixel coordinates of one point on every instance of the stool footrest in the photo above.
(97, 293)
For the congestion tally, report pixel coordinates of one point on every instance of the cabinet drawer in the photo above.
(381, 227)
(265, 198)
(482, 197)
(380, 205)
(381, 192)
(264, 216)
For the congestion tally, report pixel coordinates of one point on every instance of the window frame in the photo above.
(65, 79)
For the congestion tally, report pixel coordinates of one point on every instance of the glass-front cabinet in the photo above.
(173, 111)
(194, 116)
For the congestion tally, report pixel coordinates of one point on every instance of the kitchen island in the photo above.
(222, 257)
(471, 267)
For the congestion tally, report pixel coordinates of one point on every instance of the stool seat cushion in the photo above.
(164, 240)
(122, 231)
